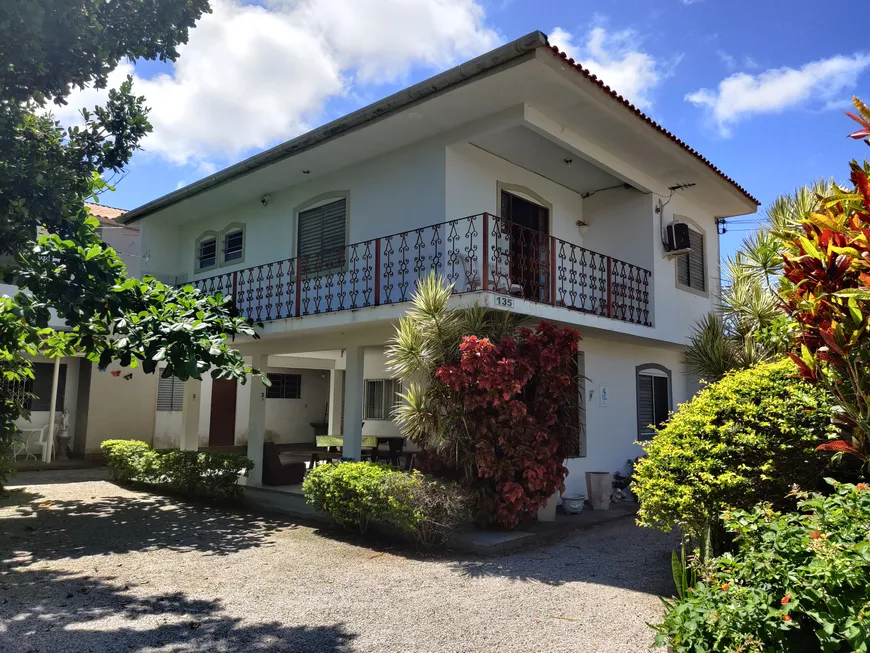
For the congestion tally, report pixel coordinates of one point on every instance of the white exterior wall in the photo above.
(611, 432)
(677, 310)
(472, 187)
(387, 195)
(125, 241)
(119, 408)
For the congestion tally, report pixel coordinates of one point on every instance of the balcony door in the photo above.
(527, 230)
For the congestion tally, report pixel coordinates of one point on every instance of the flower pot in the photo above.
(599, 487)
(573, 505)
(548, 512)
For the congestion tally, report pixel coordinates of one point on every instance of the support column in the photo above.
(190, 407)
(336, 401)
(257, 421)
(52, 413)
(353, 403)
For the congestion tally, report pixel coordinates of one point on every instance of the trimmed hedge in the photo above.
(357, 494)
(744, 439)
(195, 473)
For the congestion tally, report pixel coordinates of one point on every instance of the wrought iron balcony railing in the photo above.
(478, 253)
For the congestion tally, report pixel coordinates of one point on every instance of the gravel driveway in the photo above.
(88, 566)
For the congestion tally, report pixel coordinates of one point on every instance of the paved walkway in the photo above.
(88, 566)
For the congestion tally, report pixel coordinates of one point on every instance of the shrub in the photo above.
(196, 473)
(488, 402)
(744, 439)
(424, 509)
(798, 582)
(124, 458)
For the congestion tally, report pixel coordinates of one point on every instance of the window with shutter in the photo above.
(170, 393)
(321, 237)
(653, 399)
(381, 397)
(691, 267)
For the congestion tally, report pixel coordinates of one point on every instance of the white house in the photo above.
(518, 175)
(97, 405)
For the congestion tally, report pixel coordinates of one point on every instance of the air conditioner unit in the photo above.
(677, 237)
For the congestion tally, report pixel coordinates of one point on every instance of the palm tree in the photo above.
(750, 327)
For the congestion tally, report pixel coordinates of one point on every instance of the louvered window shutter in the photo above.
(170, 393)
(645, 406)
(691, 268)
(321, 236)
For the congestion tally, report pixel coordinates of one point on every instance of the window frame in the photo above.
(693, 226)
(226, 231)
(176, 393)
(651, 370)
(280, 386)
(197, 251)
(314, 203)
(385, 410)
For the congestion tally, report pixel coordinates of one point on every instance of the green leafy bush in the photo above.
(196, 473)
(356, 495)
(799, 582)
(124, 458)
(744, 439)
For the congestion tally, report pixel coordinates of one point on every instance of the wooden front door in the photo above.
(529, 228)
(222, 427)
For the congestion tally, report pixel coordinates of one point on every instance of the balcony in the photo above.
(479, 253)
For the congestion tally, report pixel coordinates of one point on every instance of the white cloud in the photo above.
(773, 91)
(251, 75)
(727, 59)
(614, 57)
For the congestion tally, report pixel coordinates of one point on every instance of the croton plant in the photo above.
(826, 289)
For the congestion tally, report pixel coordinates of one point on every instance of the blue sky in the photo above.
(776, 79)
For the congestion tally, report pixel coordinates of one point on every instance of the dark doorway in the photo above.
(528, 228)
(222, 427)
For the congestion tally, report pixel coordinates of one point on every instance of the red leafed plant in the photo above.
(514, 394)
(491, 403)
(826, 289)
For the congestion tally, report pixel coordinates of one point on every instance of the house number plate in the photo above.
(504, 301)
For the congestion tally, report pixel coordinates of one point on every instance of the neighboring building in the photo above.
(569, 189)
(118, 402)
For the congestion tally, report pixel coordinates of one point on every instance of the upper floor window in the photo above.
(233, 244)
(206, 251)
(692, 267)
(321, 236)
(653, 398)
(382, 396)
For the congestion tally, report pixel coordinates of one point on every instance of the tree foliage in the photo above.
(746, 438)
(751, 325)
(47, 171)
(826, 290)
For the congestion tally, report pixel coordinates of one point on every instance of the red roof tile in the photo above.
(640, 114)
(103, 211)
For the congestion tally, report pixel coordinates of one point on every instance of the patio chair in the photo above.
(20, 444)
